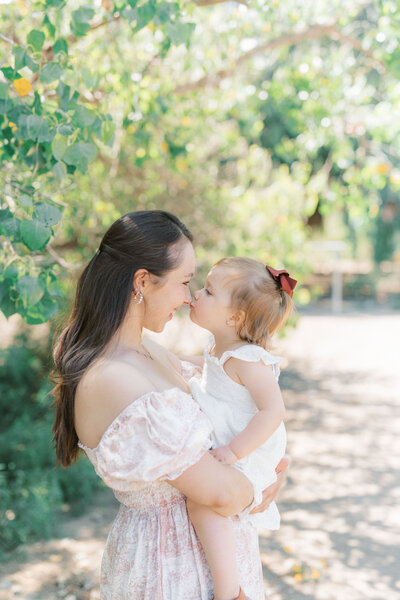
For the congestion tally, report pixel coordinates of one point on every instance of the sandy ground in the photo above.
(340, 532)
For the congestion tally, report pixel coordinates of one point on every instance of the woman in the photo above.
(126, 402)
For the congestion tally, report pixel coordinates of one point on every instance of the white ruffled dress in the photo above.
(152, 551)
(230, 408)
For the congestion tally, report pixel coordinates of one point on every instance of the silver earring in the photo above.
(138, 297)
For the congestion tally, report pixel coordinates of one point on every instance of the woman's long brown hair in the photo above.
(141, 239)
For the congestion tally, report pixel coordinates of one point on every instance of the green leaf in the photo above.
(63, 91)
(36, 39)
(80, 20)
(60, 170)
(61, 45)
(50, 27)
(38, 129)
(31, 64)
(8, 73)
(35, 234)
(180, 33)
(7, 305)
(90, 78)
(166, 10)
(11, 272)
(83, 117)
(80, 151)
(59, 146)
(30, 289)
(19, 57)
(48, 214)
(37, 104)
(107, 131)
(50, 72)
(4, 87)
(41, 312)
(145, 14)
(25, 201)
(9, 225)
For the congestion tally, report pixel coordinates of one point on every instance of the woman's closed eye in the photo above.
(207, 292)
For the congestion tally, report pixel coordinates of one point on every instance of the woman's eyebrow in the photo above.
(189, 275)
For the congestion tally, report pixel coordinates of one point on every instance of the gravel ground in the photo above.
(340, 532)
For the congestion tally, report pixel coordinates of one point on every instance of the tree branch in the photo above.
(211, 2)
(6, 39)
(312, 33)
(63, 263)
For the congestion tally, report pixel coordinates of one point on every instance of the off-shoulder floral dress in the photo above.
(152, 551)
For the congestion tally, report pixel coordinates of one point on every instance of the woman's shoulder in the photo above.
(105, 390)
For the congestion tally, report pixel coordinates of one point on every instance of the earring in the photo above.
(138, 297)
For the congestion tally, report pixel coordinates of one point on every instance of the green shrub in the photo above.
(32, 489)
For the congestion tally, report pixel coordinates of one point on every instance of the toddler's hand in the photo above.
(225, 455)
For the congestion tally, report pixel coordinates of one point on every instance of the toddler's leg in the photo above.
(217, 538)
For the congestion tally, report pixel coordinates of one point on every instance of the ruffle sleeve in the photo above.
(158, 436)
(253, 353)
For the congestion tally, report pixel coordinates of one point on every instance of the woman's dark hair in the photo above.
(138, 240)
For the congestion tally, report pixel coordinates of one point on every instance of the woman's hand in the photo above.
(270, 493)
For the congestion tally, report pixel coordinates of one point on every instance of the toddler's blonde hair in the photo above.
(255, 291)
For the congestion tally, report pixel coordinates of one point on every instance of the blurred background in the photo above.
(271, 128)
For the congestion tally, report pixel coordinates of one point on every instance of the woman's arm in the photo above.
(220, 487)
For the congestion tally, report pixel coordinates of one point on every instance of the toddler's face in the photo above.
(211, 305)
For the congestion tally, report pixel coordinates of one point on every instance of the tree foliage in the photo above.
(246, 119)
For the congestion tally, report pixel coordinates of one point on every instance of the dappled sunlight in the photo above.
(340, 506)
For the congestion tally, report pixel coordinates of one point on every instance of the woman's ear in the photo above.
(236, 319)
(141, 280)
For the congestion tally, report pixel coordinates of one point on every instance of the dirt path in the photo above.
(340, 533)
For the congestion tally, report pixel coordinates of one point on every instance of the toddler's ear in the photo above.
(236, 319)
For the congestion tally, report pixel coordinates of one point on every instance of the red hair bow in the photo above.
(282, 277)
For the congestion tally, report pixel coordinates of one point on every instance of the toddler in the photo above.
(242, 304)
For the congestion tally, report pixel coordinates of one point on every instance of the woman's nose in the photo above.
(188, 297)
(196, 294)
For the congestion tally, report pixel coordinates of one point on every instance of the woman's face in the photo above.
(162, 299)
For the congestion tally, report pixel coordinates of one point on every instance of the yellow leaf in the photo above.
(186, 121)
(287, 549)
(373, 210)
(13, 126)
(315, 574)
(22, 86)
(181, 165)
(151, 27)
(381, 168)
(298, 577)
(297, 569)
(164, 146)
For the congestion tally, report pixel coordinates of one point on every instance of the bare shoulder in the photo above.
(105, 390)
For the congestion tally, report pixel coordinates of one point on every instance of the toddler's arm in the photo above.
(259, 379)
